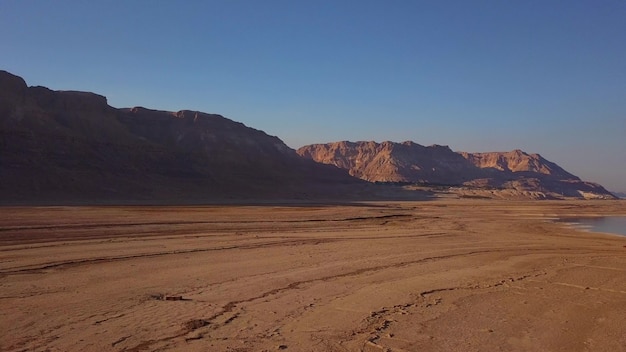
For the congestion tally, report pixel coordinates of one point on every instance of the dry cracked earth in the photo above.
(441, 275)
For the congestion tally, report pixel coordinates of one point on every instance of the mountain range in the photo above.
(409, 162)
(58, 146)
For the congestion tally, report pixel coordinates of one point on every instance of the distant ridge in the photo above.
(409, 162)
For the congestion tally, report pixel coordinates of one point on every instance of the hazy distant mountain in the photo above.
(66, 145)
(620, 194)
(413, 163)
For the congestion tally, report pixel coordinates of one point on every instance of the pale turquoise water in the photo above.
(608, 224)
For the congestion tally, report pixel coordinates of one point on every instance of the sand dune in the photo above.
(445, 275)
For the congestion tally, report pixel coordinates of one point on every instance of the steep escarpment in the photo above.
(67, 145)
(409, 162)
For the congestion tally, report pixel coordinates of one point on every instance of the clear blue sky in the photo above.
(544, 76)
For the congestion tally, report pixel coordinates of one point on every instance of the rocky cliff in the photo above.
(409, 162)
(66, 145)
(394, 162)
(519, 162)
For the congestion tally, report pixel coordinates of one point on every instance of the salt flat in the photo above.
(441, 275)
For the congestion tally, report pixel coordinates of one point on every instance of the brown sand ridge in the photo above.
(445, 275)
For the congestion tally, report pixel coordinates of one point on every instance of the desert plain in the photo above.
(438, 275)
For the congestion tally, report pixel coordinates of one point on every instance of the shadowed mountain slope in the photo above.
(66, 145)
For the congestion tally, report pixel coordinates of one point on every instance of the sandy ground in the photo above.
(443, 275)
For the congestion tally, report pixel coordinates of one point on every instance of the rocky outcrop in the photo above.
(67, 145)
(394, 162)
(409, 162)
(517, 161)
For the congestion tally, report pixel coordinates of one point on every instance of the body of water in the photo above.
(608, 224)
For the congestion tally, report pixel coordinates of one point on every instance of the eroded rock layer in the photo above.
(409, 162)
